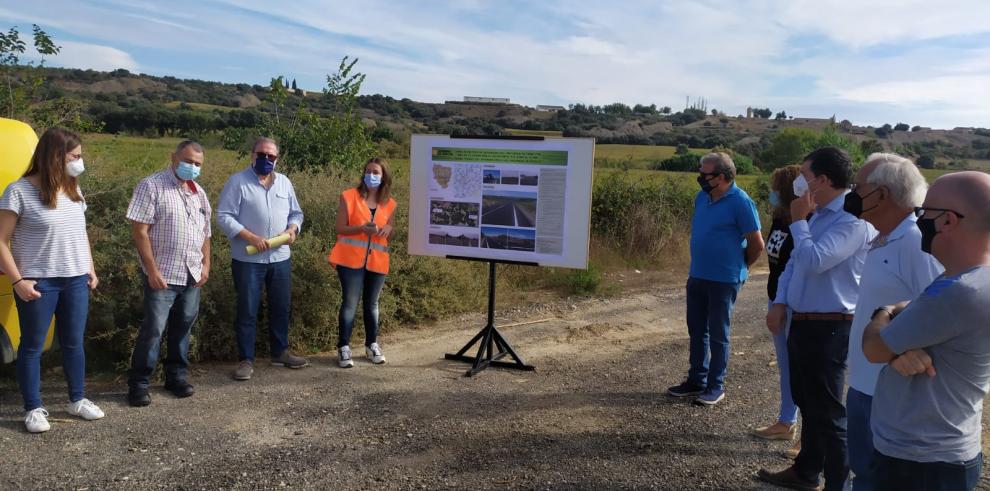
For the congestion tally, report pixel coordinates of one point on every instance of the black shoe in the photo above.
(180, 388)
(685, 389)
(138, 397)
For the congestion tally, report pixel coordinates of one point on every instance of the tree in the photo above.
(308, 140)
(764, 113)
(901, 127)
(788, 146)
(926, 161)
(870, 146)
(883, 131)
(916, 128)
(294, 87)
(682, 149)
(17, 94)
(780, 116)
(665, 110)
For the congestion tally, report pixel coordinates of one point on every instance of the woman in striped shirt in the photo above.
(44, 251)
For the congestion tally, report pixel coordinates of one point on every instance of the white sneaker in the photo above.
(375, 353)
(345, 360)
(36, 420)
(85, 409)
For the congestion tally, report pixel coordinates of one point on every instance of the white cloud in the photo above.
(867, 59)
(94, 56)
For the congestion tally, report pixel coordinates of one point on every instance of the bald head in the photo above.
(968, 192)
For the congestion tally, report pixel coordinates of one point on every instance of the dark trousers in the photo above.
(250, 279)
(905, 475)
(817, 351)
(170, 312)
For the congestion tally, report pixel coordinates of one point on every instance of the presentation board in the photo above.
(501, 199)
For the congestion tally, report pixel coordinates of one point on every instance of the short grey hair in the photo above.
(189, 143)
(263, 139)
(900, 176)
(723, 164)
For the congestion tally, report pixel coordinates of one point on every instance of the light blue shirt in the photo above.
(822, 274)
(895, 271)
(245, 203)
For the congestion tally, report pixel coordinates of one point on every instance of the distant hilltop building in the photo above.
(486, 100)
(544, 107)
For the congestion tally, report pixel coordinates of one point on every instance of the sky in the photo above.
(920, 62)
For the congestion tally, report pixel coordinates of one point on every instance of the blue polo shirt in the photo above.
(718, 230)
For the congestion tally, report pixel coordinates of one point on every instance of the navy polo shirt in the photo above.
(718, 231)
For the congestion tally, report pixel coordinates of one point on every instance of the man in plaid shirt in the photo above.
(170, 224)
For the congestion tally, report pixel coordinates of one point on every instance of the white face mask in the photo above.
(75, 167)
(800, 186)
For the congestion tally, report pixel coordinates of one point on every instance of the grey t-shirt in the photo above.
(926, 419)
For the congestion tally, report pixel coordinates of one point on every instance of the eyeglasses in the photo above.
(709, 174)
(266, 155)
(919, 211)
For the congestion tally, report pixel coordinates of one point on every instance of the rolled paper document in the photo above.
(273, 242)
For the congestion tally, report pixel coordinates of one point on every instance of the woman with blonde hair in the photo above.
(44, 251)
(779, 246)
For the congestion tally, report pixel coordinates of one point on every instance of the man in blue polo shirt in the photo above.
(725, 241)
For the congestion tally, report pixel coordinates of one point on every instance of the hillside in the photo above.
(141, 104)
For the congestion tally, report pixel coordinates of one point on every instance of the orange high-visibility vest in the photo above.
(358, 250)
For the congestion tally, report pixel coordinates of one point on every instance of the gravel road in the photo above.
(592, 416)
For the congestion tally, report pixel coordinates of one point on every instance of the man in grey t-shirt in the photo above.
(928, 404)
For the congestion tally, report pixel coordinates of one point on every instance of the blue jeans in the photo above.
(249, 279)
(860, 439)
(709, 310)
(354, 284)
(897, 474)
(176, 309)
(788, 410)
(68, 300)
(818, 351)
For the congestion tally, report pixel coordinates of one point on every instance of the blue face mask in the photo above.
(263, 166)
(372, 180)
(187, 171)
(774, 198)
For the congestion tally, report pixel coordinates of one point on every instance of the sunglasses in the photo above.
(266, 155)
(919, 211)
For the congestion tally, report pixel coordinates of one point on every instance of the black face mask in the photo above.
(706, 184)
(854, 203)
(928, 232)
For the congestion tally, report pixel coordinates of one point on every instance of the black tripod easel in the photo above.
(492, 347)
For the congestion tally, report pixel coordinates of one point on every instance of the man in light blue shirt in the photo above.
(887, 189)
(820, 284)
(725, 241)
(256, 204)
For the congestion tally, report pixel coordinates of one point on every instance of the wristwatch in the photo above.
(889, 312)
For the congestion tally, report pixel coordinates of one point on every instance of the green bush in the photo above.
(641, 217)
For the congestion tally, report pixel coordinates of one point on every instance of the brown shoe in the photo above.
(788, 478)
(776, 431)
(793, 452)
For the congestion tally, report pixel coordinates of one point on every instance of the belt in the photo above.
(821, 316)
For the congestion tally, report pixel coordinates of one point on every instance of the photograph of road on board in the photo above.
(508, 208)
(513, 239)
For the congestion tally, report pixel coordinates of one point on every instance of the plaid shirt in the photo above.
(180, 224)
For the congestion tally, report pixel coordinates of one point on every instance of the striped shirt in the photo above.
(47, 242)
(180, 224)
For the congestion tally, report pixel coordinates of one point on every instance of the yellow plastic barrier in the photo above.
(17, 141)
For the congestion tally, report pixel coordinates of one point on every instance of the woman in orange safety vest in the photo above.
(364, 224)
